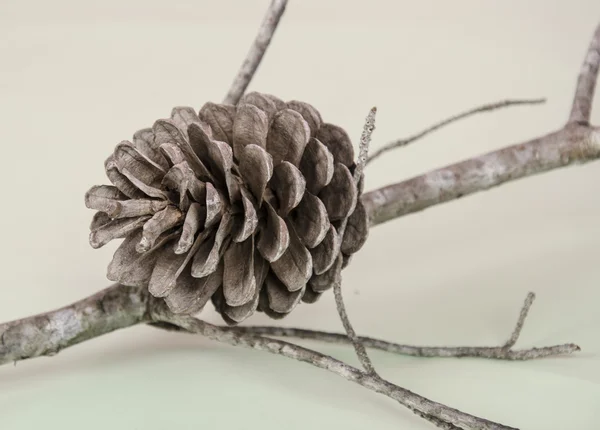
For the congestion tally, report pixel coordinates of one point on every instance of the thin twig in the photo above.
(257, 51)
(361, 352)
(581, 110)
(360, 349)
(484, 108)
(504, 352)
(522, 316)
(371, 381)
(486, 352)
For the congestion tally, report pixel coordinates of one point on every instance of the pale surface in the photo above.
(78, 77)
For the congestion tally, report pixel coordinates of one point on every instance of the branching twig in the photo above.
(371, 381)
(361, 352)
(484, 108)
(577, 142)
(488, 352)
(581, 110)
(504, 352)
(519, 326)
(257, 50)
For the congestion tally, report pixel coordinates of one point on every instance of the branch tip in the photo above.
(479, 109)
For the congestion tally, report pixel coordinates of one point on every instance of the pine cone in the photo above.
(238, 204)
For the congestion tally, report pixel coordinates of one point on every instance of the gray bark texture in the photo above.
(46, 334)
(573, 144)
(119, 306)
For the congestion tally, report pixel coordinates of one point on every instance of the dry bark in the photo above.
(46, 334)
(573, 144)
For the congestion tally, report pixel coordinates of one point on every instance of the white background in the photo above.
(77, 77)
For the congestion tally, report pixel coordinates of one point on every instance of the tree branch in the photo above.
(46, 334)
(257, 51)
(480, 109)
(119, 307)
(441, 413)
(581, 110)
(570, 145)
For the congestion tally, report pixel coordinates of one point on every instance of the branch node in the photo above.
(520, 322)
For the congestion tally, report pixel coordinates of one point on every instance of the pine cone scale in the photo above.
(191, 225)
(256, 169)
(220, 120)
(191, 295)
(309, 113)
(339, 196)
(239, 283)
(166, 272)
(279, 298)
(294, 267)
(250, 127)
(129, 267)
(206, 259)
(289, 186)
(275, 238)
(316, 166)
(337, 142)
(133, 164)
(115, 229)
(312, 222)
(162, 221)
(324, 254)
(287, 138)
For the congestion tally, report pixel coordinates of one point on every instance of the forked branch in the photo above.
(435, 412)
(503, 352)
(575, 143)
